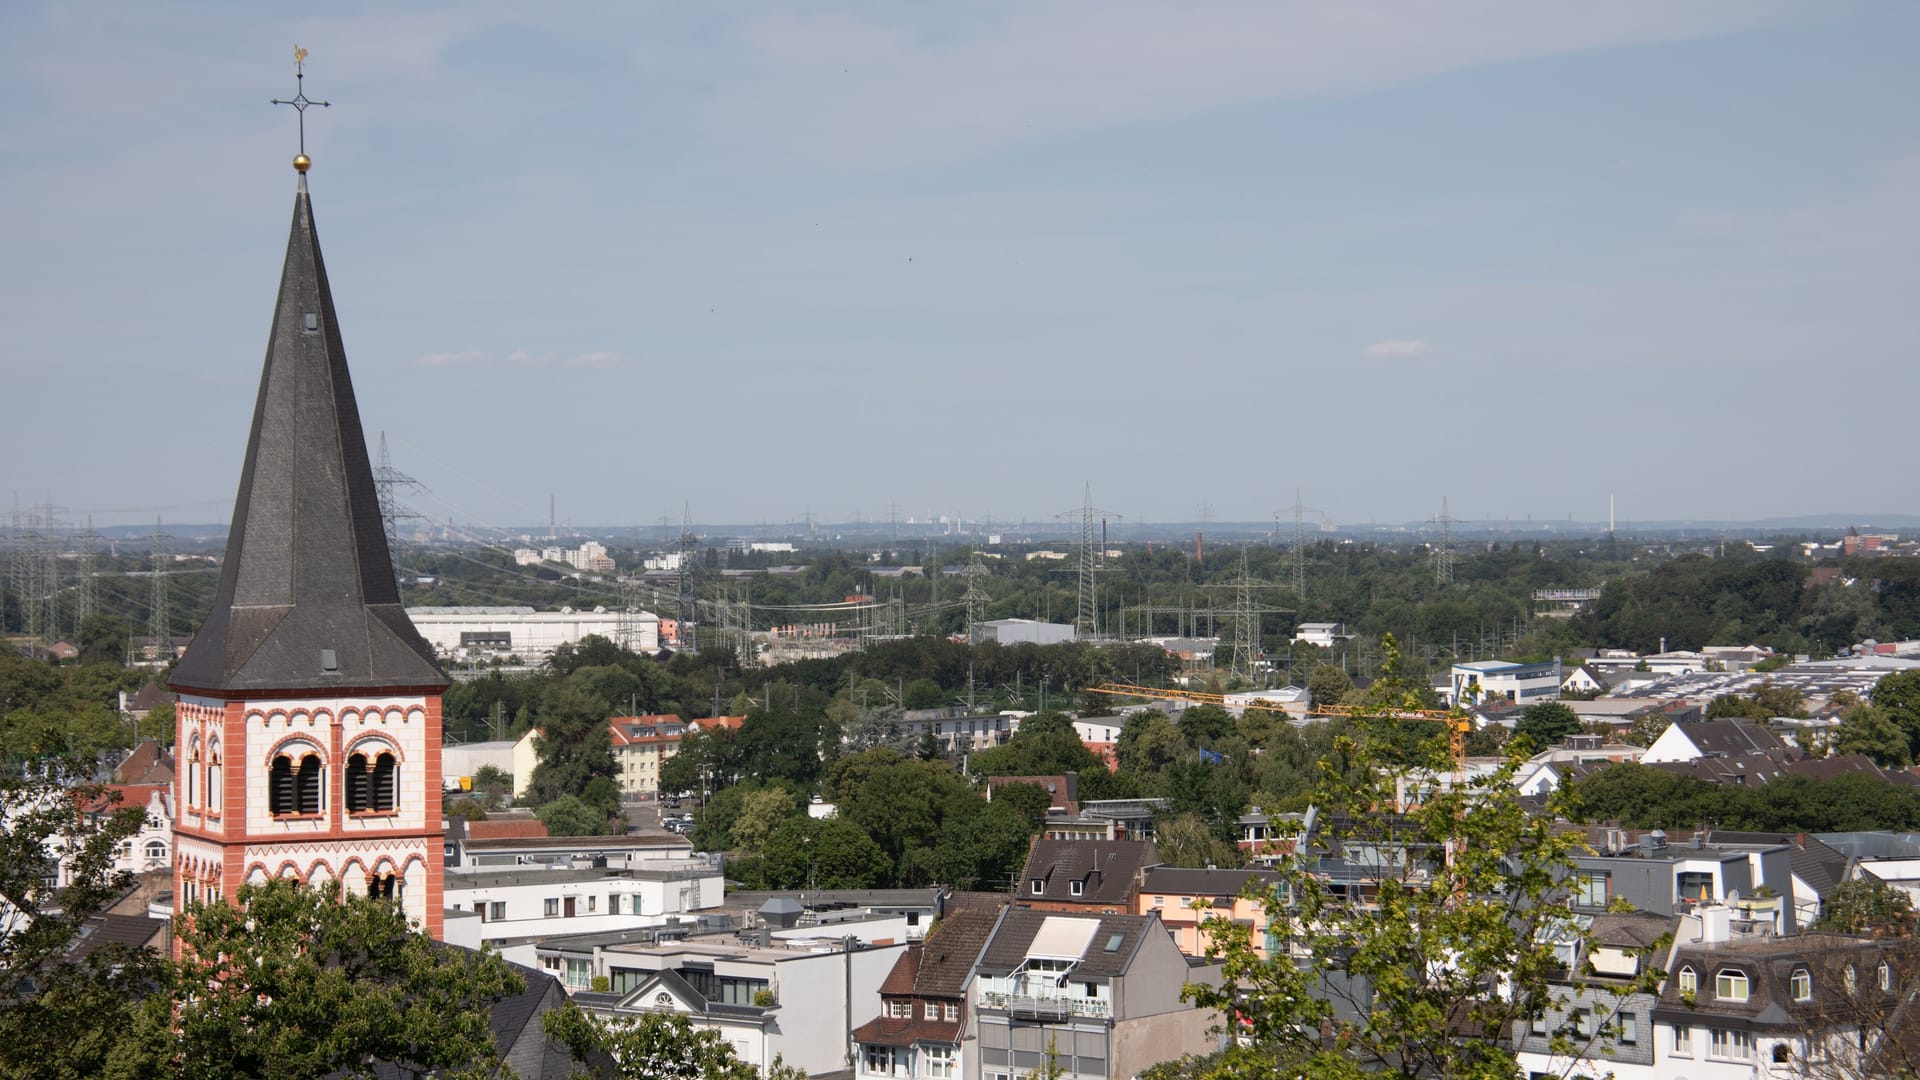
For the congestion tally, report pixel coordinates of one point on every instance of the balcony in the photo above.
(1047, 1006)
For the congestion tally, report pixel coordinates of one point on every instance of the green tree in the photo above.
(1206, 725)
(651, 1046)
(1898, 695)
(761, 812)
(60, 1018)
(1328, 685)
(574, 744)
(1867, 729)
(1046, 745)
(569, 815)
(290, 981)
(1454, 933)
(804, 853)
(1866, 905)
(1546, 723)
(1186, 840)
(1148, 742)
(1031, 800)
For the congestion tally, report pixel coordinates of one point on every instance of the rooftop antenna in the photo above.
(300, 101)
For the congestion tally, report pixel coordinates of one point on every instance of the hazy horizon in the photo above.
(856, 260)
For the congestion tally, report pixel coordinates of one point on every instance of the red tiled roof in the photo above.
(899, 1031)
(899, 981)
(708, 723)
(510, 829)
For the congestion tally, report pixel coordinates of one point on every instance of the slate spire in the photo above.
(307, 597)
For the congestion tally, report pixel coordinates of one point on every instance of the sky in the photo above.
(764, 261)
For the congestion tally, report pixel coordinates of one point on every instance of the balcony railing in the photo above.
(1047, 1006)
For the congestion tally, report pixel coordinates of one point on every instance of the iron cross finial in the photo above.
(300, 101)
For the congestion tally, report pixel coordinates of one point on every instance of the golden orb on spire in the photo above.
(301, 163)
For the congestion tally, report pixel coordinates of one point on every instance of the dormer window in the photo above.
(1885, 976)
(1075, 888)
(1039, 886)
(1801, 983)
(1689, 980)
(1730, 985)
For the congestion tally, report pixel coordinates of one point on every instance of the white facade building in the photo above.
(1491, 680)
(530, 634)
(530, 902)
(800, 1005)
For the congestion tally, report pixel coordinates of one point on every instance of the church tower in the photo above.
(308, 736)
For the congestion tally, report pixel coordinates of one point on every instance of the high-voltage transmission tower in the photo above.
(23, 570)
(976, 597)
(159, 619)
(687, 611)
(1090, 564)
(1443, 553)
(1297, 558)
(1246, 618)
(36, 573)
(386, 479)
(83, 595)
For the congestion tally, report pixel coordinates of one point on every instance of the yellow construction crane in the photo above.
(1458, 722)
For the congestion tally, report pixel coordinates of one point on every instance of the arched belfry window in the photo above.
(216, 777)
(359, 784)
(385, 783)
(294, 784)
(372, 784)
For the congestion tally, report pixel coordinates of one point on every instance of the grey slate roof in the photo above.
(1008, 948)
(307, 567)
(1105, 870)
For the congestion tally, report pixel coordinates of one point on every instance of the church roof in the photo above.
(307, 598)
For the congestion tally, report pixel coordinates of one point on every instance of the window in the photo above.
(591, 901)
(384, 887)
(1801, 982)
(1683, 1042)
(1730, 1045)
(613, 903)
(1884, 976)
(1159, 901)
(879, 1059)
(552, 908)
(939, 1062)
(953, 1010)
(1850, 978)
(497, 911)
(193, 770)
(900, 1010)
(1730, 985)
(1539, 1025)
(294, 788)
(1591, 890)
(1689, 981)
(1626, 1028)
(1091, 990)
(579, 974)
(214, 777)
(157, 849)
(1583, 1023)
(1039, 886)
(1695, 887)
(1075, 888)
(372, 785)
